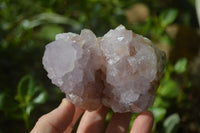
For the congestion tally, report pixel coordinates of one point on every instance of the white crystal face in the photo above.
(120, 70)
(115, 44)
(66, 53)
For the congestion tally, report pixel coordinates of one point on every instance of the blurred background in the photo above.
(26, 26)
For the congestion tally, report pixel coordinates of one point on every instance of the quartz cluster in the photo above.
(120, 70)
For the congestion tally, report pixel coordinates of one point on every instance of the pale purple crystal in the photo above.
(120, 70)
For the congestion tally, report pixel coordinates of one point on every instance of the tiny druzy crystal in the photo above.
(120, 70)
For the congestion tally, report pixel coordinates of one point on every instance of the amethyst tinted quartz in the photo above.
(120, 70)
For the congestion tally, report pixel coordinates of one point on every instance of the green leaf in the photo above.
(166, 40)
(29, 109)
(168, 16)
(41, 98)
(38, 95)
(181, 65)
(29, 93)
(171, 123)
(168, 89)
(26, 84)
(159, 113)
(49, 32)
(34, 91)
(161, 102)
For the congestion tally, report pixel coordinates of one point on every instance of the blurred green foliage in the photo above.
(26, 26)
(156, 25)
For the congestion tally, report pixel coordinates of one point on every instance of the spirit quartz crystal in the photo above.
(120, 70)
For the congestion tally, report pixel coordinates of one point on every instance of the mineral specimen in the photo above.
(120, 70)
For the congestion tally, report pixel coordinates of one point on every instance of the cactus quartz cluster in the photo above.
(120, 70)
